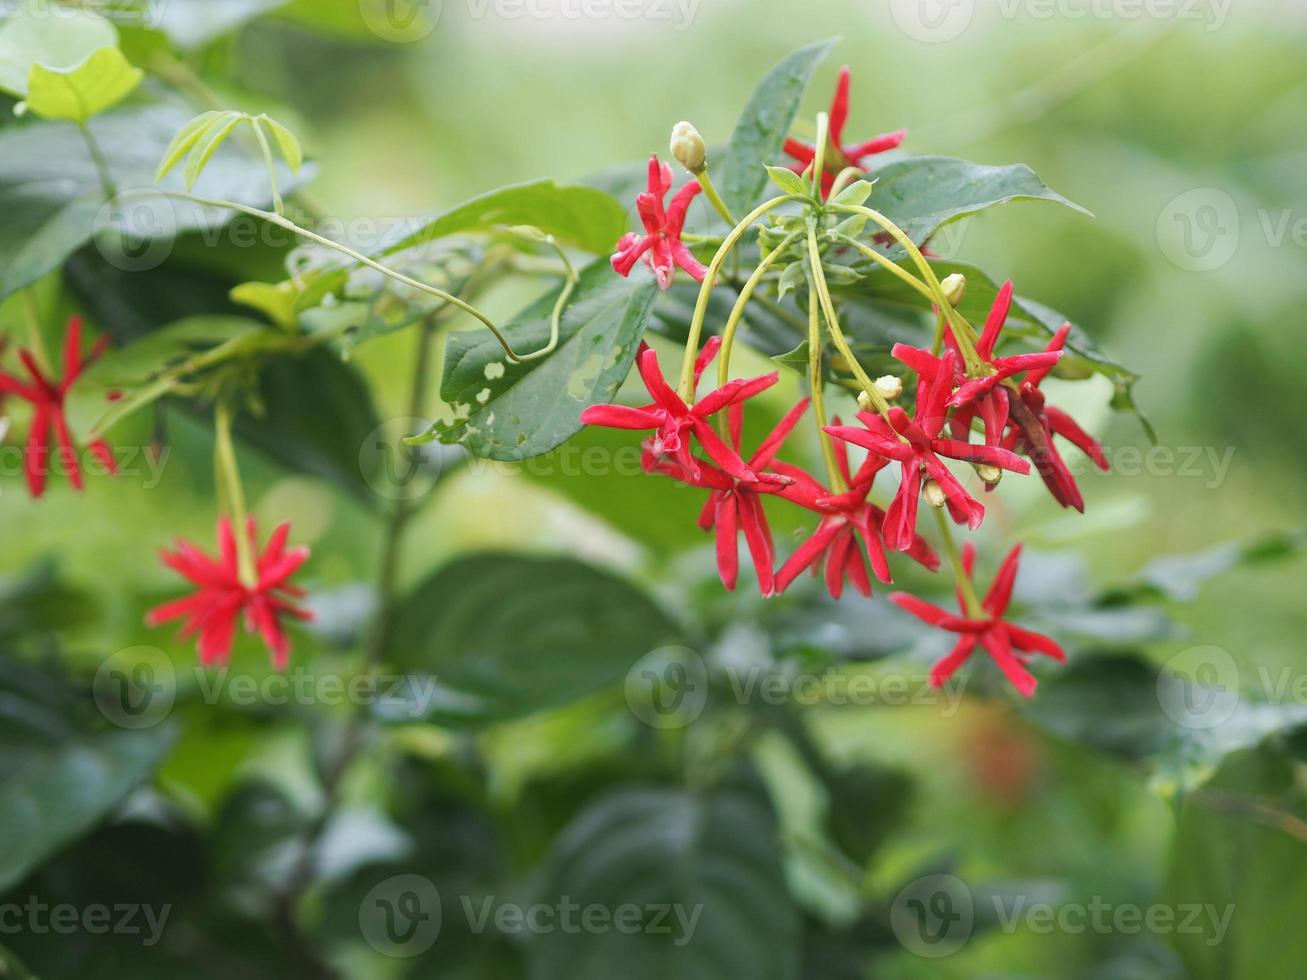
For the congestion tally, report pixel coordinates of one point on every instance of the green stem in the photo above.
(843, 179)
(885, 262)
(737, 311)
(823, 294)
(965, 586)
(284, 222)
(686, 386)
(819, 161)
(101, 164)
(35, 335)
(229, 479)
(816, 383)
(715, 199)
(277, 204)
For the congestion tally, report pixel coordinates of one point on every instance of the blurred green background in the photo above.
(1156, 125)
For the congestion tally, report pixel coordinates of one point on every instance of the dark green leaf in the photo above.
(761, 130)
(713, 854)
(507, 635)
(509, 411)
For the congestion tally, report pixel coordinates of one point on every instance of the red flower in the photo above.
(916, 444)
(735, 505)
(838, 155)
(1007, 644)
(675, 421)
(1053, 422)
(223, 598)
(47, 396)
(845, 518)
(660, 247)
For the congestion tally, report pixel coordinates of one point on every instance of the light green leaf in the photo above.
(186, 139)
(762, 128)
(509, 411)
(508, 635)
(855, 194)
(207, 145)
(789, 182)
(78, 94)
(33, 37)
(287, 142)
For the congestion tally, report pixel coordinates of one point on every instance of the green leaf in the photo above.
(789, 182)
(1180, 577)
(507, 635)
(207, 145)
(35, 36)
(186, 139)
(761, 130)
(78, 94)
(60, 772)
(855, 194)
(508, 411)
(191, 24)
(711, 855)
(287, 142)
(922, 194)
(53, 203)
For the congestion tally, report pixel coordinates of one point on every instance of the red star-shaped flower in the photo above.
(735, 505)
(675, 421)
(838, 154)
(1007, 643)
(660, 247)
(1053, 421)
(846, 518)
(916, 444)
(224, 598)
(47, 395)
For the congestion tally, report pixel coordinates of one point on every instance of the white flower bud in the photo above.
(954, 286)
(889, 386)
(989, 473)
(934, 494)
(688, 147)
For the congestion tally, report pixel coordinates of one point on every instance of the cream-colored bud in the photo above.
(933, 493)
(688, 148)
(890, 386)
(955, 287)
(989, 473)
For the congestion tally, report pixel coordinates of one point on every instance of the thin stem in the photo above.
(837, 335)
(686, 386)
(715, 199)
(737, 312)
(229, 479)
(966, 587)
(887, 263)
(35, 335)
(819, 161)
(277, 204)
(816, 383)
(843, 179)
(284, 222)
(101, 164)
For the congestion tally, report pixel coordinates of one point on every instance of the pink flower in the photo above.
(735, 505)
(916, 444)
(838, 155)
(660, 248)
(47, 396)
(846, 518)
(675, 422)
(1038, 444)
(1007, 643)
(223, 598)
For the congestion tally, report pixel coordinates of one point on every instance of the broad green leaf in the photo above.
(762, 128)
(508, 635)
(287, 142)
(32, 36)
(191, 24)
(60, 771)
(186, 139)
(53, 203)
(78, 94)
(710, 854)
(1240, 863)
(788, 181)
(510, 411)
(922, 194)
(1180, 577)
(207, 145)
